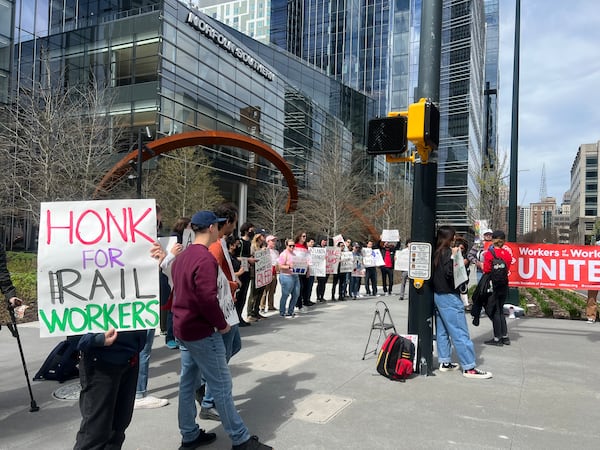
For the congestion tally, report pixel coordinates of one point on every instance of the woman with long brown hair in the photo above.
(451, 323)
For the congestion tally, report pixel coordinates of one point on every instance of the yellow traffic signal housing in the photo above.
(423, 124)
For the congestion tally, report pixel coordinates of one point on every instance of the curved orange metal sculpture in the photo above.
(206, 138)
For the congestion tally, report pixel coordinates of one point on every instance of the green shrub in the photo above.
(23, 272)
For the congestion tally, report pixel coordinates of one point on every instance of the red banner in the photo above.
(554, 266)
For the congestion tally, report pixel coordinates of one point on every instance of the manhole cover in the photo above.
(68, 392)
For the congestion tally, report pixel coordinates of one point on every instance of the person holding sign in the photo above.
(199, 322)
(388, 250)
(450, 320)
(290, 285)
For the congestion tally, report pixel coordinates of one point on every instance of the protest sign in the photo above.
(94, 267)
(358, 270)
(317, 261)
(346, 262)
(554, 266)
(337, 239)
(368, 257)
(263, 269)
(332, 260)
(402, 258)
(187, 238)
(300, 262)
(390, 236)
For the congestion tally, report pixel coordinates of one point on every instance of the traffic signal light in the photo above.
(424, 124)
(387, 135)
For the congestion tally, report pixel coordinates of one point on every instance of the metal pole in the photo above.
(513, 296)
(420, 311)
(139, 165)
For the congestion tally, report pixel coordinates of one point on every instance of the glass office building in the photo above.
(175, 69)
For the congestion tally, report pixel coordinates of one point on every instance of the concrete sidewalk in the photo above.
(302, 384)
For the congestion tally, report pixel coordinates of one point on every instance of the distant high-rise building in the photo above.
(524, 225)
(541, 214)
(584, 195)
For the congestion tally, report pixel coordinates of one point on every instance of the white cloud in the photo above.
(559, 89)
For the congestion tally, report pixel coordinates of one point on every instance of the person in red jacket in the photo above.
(500, 288)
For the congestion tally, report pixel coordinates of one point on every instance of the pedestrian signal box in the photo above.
(387, 135)
(424, 124)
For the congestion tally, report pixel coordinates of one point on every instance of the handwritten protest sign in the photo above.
(317, 261)
(94, 267)
(332, 260)
(372, 257)
(554, 266)
(263, 269)
(300, 262)
(337, 239)
(346, 262)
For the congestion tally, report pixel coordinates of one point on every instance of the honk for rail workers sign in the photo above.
(95, 271)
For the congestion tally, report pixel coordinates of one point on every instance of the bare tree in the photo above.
(55, 142)
(183, 183)
(269, 211)
(323, 208)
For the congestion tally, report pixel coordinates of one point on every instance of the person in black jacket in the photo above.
(451, 323)
(9, 291)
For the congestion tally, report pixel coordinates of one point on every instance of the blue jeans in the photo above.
(451, 323)
(354, 286)
(233, 344)
(290, 284)
(207, 357)
(142, 382)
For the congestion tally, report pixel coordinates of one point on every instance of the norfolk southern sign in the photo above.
(224, 42)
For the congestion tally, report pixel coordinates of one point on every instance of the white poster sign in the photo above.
(263, 269)
(94, 267)
(390, 236)
(318, 261)
(346, 262)
(332, 260)
(402, 258)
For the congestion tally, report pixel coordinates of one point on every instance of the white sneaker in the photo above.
(150, 402)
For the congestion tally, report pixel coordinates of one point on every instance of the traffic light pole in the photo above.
(420, 312)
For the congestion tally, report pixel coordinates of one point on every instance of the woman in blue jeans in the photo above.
(290, 284)
(450, 321)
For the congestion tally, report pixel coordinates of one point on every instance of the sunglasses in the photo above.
(291, 245)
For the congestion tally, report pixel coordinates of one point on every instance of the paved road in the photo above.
(302, 384)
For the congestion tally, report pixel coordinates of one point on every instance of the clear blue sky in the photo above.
(559, 106)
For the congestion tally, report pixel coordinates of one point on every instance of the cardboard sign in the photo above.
(318, 263)
(337, 239)
(94, 267)
(263, 269)
(554, 266)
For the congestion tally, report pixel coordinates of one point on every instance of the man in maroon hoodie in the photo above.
(198, 324)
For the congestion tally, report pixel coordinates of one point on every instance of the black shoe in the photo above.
(243, 323)
(309, 304)
(476, 321)
(252, 443)
(497, 343)
(203, 438)
(506, 340)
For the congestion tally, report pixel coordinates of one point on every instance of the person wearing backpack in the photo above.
(497, 261)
